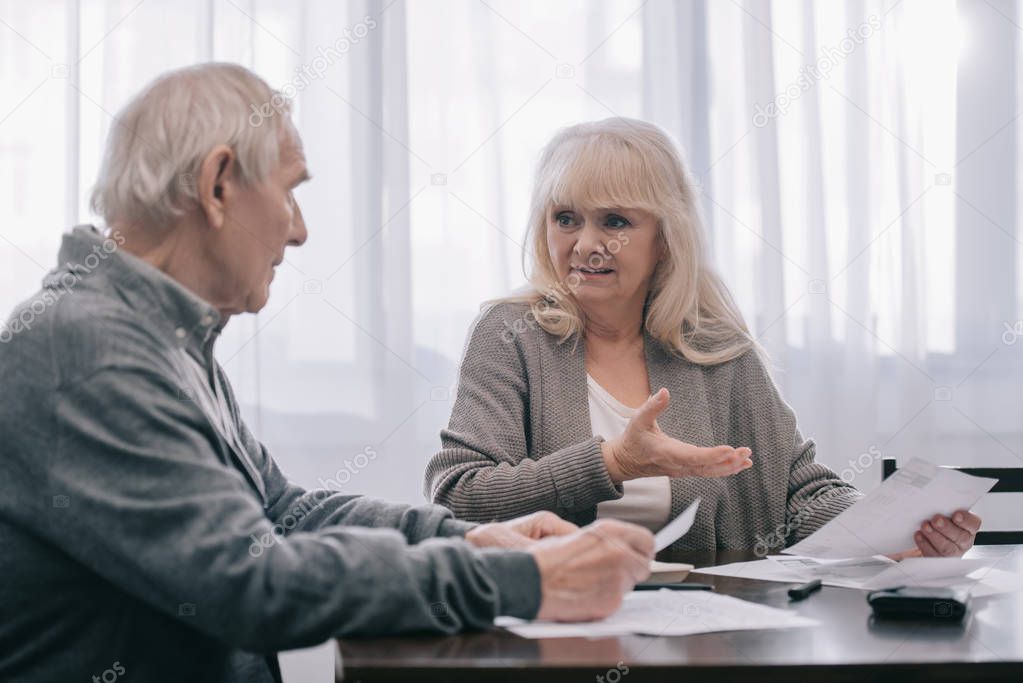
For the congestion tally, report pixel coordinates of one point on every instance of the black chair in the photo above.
(1010, 480)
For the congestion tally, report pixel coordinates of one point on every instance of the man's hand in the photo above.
(520, 532)
(584, 575)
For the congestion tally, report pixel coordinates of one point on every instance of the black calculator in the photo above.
(919, 602)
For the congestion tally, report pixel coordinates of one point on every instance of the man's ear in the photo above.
(217, 181)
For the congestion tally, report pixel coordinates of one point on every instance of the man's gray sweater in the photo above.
(146, 534)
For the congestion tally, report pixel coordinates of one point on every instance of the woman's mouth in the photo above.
(588, 273)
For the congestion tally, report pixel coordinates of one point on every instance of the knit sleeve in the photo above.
(815, 494)
(484, 470)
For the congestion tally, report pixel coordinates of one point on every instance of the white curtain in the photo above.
(857, 162)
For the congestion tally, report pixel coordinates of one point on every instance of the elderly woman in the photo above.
(554, 408)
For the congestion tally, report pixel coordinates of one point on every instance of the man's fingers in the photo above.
(497, 535)
(637, 565)
(549, 524)
(640, 569)
(640, 540)
(629, 536)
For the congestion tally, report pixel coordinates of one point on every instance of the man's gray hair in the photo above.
(159, 139)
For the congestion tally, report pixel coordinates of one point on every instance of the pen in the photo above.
(674, 586)
(804, 591)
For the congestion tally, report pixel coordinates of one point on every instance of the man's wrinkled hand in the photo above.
(519, 533)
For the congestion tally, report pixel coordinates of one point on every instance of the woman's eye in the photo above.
(563, 219)
(614, 221)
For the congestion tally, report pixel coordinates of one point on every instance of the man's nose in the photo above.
(299, 234)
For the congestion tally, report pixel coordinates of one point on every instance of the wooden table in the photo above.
(848, 646)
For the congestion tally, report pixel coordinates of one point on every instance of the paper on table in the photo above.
(835, 572)
(667, 572)
(669, 567)
(792, 569)
(983, 582)
(914, 571)
(970, 574)
(883, 521)
(880, 572)
(761, 570)
(676, 528)
(666, 613)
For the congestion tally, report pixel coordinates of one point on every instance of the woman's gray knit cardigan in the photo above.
(519, 440)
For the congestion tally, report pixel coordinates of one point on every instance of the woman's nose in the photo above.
(589, 240)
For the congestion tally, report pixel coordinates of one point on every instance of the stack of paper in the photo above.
(850, 550)
(883, 521)
(975, 576)
(668, 572)
(879, 572)
(666, 613)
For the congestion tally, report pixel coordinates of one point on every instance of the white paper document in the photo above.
(834, 572)
(666, 613)
(873, 573)
(759, 570)
(676, 528)
(669, 567)
(972, 575)
(983, 582)
(883, 521)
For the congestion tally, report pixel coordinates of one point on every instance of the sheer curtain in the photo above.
(857, 163)
(859, 184)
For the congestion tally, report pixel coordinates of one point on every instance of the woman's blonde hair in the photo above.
(627, 163)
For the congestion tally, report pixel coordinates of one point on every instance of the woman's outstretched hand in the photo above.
(645, 451)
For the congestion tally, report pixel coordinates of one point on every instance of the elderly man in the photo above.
(131, 489)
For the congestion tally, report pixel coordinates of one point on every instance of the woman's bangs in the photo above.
(601, 173)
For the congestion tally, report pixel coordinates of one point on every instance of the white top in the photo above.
(647, 501)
